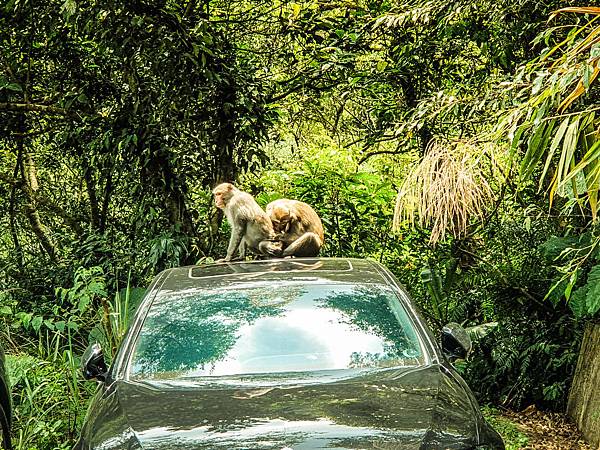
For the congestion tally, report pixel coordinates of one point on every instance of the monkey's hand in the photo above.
(227, 260)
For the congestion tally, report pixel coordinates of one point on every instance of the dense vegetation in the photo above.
(117, 118)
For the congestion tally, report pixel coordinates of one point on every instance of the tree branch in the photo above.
(45, 109)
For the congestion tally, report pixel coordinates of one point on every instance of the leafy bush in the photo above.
(526, 361)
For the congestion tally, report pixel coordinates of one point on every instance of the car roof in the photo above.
(325, 270)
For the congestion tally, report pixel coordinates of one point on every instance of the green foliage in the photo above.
(88, 286)
(355, 206)
(577, 276)
(565, 144)
(526, 360)
(49, 395)
(49, 399)
(513, 438)
(116, 119)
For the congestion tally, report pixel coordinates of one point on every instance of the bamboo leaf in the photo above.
(570, 38)
(568, 150)
(577, 9)
(517, 137)
(580, 88)
(589, 41)
(553, 146)
(532, 146)
(593, 199)
(590, 157)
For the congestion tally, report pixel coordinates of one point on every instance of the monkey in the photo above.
(297, 226)
(251, 228)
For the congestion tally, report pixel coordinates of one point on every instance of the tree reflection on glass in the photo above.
(263, 328)
(376, 311)
(185, 332)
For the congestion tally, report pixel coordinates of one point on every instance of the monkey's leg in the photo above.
(308, 244)
(242, 249)
(270, 248)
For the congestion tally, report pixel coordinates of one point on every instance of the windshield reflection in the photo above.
(263, 329)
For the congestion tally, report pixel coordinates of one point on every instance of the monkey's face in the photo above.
(222, 193)
(280, 217)
(219, 199)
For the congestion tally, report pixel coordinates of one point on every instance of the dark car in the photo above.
(281, 354)
(5, 405)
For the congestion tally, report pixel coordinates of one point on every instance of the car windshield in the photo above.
(274, 329)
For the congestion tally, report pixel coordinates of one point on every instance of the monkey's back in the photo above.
(309, 219)
(258, 224)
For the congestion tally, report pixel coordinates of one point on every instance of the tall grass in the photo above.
(50, 396)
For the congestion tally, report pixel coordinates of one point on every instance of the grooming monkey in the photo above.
(251, 228)
(297, 226)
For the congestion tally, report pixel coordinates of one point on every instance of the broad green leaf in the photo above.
(36, 323)
(577, 303)
(592, 298)
(15, 87)
(571, 283)
(557, 291)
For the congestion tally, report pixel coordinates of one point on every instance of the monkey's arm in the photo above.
(237, 233)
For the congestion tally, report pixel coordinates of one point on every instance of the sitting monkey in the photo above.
(297, 226)
(250, 226)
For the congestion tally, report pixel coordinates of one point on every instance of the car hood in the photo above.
(394, 408)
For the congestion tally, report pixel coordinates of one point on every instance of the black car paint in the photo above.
(427, 407)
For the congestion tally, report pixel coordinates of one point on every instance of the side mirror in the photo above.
(456, 342)
(92, 363)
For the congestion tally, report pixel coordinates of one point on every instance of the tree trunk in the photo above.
(584, 397)
(30, 187)
(93, 198)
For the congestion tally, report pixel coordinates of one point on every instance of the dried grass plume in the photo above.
(448, 189)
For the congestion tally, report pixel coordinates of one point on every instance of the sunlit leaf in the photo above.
(553, 146)
(566, 156)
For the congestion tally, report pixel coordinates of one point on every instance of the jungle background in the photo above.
(454, 141)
